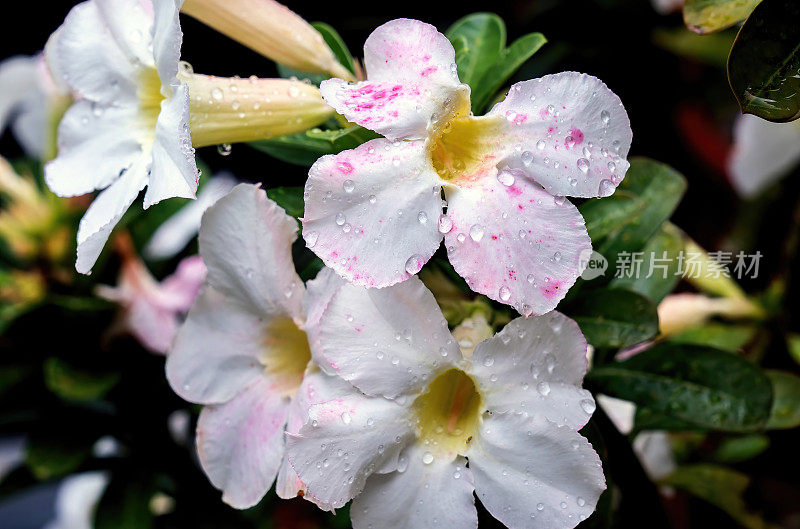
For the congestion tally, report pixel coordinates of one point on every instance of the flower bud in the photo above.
(678, 312)
(231, 110)
(272, 30)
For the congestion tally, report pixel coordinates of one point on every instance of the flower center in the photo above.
(150, 98)
(286, 353)
(448, 413)
(463, 149)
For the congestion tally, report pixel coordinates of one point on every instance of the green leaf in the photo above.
(707, 16)
(76, 385)
(697, 385)
(289, 198)
(786, 401)
(764, 64)
(708, 49)
(660, 188)
(793, 344)
(336, 44)
(125, 504)
(49, 458)
(741, 448)
(306, 147)
(606, 215)
(478, 40)
(614, 317)
(660, 264)
(504, 67)
(719, 486)
(725, 336)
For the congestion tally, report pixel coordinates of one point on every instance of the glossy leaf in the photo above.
(660, 187)
(614, 318)
(764, 64)
(289, 198)
(740, 448)
(478, 40)
(49, 457)
(725, 336)
(659, 267)
(786, 401)
(707, 16)
(504, 67)
(306, 147)
(606, 215)
(697, 385)
(336, 44)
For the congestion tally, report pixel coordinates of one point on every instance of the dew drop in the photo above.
(505, 293)
(505, 178)
(543, 388)
(340, 219)
(583, 165)
(606, 188)
(346, 418)
(224, 149)
(348, 186)
(527, 157)
(422, 217)
(427, 458)
(476, 232)
(588, 406)
(605, 116)
(414, 264)
(311, 238)
(540, 144)
(445, 224)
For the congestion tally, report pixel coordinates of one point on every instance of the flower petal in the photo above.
(101, 49)
(174, 234)
(240, 444)
(387, 342)
(412, 82)
(105, 211)
(174, 171)
(23, 102)
(568, 132)
(317, 387)
(180, 289)
(531, 473)
(537, 367)
(371, 212)
(167, 39)
(369, 432)
(216, 352)
(515, 243)
(762, 153)
(246, 242)
(153, 326)
(95, 145)
(318, 295)
(438, 494)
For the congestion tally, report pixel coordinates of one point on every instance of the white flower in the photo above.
(129, 129)
(77, 499)
(244, 351)
(424, 426)
(174, 234)
(29, 97)
(762, 153)
(375, 213)
(153, 311)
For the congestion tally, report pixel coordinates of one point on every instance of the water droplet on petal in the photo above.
(543, 388)
(414, 264)
(505, 178)
(505, 293)
(445, 224)
(346, 418)
(583, 165)
(427, 458)
(422, 217)
(606, 188)
(476, 232)
(311, 238)
(348, 186)
(340, 219)
(605, 116)
(588, 406)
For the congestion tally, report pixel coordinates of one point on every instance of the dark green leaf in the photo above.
(764, 64)
(605, 215)
(786, 402)
(49, 457)
(740, 448)
(706, 16)
(478, 40)
(306, 147)
(336, 44)
(698, 385)
(125, 504)
(289, 198)
(660, 188)
(504, 67)
(76, 385)
(660, 264)
(719, 486)
(709, 49)
(614, 317)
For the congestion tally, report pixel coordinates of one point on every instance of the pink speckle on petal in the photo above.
(514, 190)
(544, 114)
(520, 118)
(345, 167)
(429, 70)
(577, 135)
(552, 289)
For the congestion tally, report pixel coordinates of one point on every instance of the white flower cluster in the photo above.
(352, 386)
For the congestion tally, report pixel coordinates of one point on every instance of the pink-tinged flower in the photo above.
(29, 101)
(244, 351)
(375, 213)
(129, 128)
(762, 153)
(666, 7)
(425, 426)
(152, 311)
